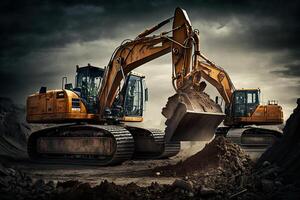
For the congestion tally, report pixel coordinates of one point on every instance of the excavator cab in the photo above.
(246, 109)
(87, 84)
(132, 98)
(130, 103)
(245, 101)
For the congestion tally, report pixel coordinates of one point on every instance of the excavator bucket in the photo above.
(191, 117)
(191, 114)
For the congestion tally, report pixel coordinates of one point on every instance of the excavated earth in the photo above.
(222, 170)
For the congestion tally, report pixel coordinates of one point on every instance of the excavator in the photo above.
(94, 116)
(96, 113)
(246, 119)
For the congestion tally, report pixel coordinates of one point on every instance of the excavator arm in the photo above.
(237, 114)
(126, 58)
(191, 114)
(143, 49)
(216, 76)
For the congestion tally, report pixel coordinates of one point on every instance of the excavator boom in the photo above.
(242, 106)
(188, 110)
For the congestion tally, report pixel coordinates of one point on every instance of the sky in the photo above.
(256, 42)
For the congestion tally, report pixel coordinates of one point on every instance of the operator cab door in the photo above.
(134, 97)
(239, 104)
(252, 101)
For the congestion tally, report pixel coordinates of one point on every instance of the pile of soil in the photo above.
(221, 168)
(286, 152)
(277, 172)
(220, 154)
(14, 130)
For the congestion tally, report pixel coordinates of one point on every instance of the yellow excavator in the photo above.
(94, 114)
(247, 120)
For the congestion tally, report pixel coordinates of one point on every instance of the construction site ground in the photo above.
(219, 169)
(136, 171)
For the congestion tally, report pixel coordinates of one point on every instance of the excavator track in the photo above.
(81, 144)
(170, 148)
(151, 144)
(98, 145)
(250, 136)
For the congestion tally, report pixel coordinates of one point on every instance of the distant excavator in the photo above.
(244, 112)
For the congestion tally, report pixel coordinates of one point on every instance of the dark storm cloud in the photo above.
(30, 27)
(291, 70)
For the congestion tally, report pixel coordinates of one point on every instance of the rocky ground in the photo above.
(13, 129)
(210, 179)
(222, 170)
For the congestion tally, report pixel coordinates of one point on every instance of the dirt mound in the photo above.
(220, 153)
(286, 152)
(277, 174)
(13, 129)
(15, 184)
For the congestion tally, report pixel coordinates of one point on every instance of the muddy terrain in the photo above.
(222, 170)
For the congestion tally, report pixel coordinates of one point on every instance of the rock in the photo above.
(266, 164)
(206, 191)
(23, 183)
(185, 185)
(39, 183)
(278, 183)
(68, 184)
(51, 184)
(11, 171)
(267, 185)
(13, 129)
(191, 194)
(3, 170)
(59, 189)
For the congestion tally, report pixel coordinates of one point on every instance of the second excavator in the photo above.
(248, 121)
(94, 114)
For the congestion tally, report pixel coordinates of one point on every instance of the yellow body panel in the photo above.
(55, 106)
(262, 115)
(132, 119)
